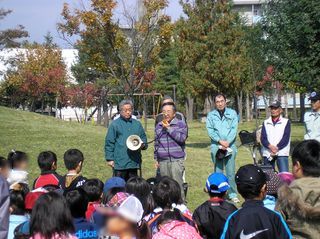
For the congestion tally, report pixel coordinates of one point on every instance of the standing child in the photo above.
(253, 220)
(51, 218)
(300, 201)
(47, 162)
(94, 190)
(18, 162)
(17, 211)
(212, 214)
(77, 201)
(73, 160)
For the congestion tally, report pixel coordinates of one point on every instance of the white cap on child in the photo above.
(131, 209)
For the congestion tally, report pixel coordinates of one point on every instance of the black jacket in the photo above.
(211, 217)
(253, 220)
(71, 182)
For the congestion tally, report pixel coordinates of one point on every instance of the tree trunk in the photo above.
(42, 105)
(56, 107)
(294, 110)
(302, 107)
(145, 113)
(208, 104)
(240, 105)
(248, 107)
(286, 105)
(266, 106)
(99, 114)
(189, 104)
(106, 117)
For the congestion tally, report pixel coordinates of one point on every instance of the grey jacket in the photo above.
(4, 208)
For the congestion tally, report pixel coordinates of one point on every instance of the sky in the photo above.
(41, 16)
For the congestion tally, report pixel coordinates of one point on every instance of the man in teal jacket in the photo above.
(222, 125)
(125, 163)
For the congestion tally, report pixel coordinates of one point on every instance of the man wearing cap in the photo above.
(222, 126)
(312, 119)
(275, 138)
(124, 162)
(212, 214)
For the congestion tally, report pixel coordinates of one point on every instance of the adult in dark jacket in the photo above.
(253, 220)
(124, 162)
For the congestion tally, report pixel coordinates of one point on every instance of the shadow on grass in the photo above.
(198, 145)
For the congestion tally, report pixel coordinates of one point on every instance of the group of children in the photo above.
(72, 206)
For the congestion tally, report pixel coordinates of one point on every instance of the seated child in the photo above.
(172, 225)
(18, 162)
(77, 201)
(167, 196)
(94, 190)
(73, 160)
(17, 211)
(213, 213)
(299, 202)
(47, 162)
(253, 220)
(4, 168)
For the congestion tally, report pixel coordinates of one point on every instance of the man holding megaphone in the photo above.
(124, 141)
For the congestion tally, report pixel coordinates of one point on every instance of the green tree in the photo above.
(212, 50)
(292, 31)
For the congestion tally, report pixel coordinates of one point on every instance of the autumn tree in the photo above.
(11, 37)
(212, 50)
(36, 74)
(119, 55)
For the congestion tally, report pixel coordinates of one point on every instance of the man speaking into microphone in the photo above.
(169, 146)
(125, 162)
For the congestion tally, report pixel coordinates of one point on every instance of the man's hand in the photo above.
(156, 165)
(273, 149)
(110, 164)
(143, 146)
(165, 124)
(224, 143)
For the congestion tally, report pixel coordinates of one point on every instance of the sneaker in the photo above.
(235, 200)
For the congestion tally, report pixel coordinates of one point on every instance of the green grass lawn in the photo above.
(34, 133)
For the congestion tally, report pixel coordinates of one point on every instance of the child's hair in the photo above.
(110, 194)
(249, 191)
(46, 159)
(170, 215)
(142, 230)
(93, 189)
(72, 158)
(16, 157)
(51, 216)
(17, 202)
(167, 192)
(213, 195)
(307, 153)
(77, 201)
(3, 162)
(140, 188)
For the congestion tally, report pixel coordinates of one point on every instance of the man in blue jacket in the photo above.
(125, 163)
(222, 126)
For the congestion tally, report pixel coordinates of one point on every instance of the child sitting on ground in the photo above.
(73, 160)
(300, 201)
(94, 190)
(18, 162)
(77, 201)
(253, 220)
(17, 211)
(47, 162)
(212, 214)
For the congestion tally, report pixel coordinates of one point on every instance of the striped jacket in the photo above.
(170, 143)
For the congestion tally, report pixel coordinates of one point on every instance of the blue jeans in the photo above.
(228, 165)
(282, 163)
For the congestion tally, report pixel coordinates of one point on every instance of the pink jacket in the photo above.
(39, 236)
(176, 230)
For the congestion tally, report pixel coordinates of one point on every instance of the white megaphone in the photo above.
(134, 142)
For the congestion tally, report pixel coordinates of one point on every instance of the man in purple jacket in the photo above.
(169, 146)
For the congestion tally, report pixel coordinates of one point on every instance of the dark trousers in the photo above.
(126, 174)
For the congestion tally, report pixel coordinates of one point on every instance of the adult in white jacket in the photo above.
(275, 138)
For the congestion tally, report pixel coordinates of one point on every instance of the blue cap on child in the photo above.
(114, 182)
(217, 183)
